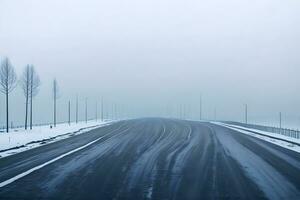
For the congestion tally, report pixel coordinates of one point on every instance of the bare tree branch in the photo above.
(34, 82)
(8, 77)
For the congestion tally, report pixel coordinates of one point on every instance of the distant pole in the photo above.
(246, 113)
(184, 111)
(86, 110)
(69, 112)
(55, 97)
(280, 121)
(76, 109)
(112, 112)
(102, 109)
(106, 111)
(96, 110)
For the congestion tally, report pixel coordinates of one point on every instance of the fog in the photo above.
(149, 57)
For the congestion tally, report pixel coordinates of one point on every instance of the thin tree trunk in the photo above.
(31, 100)
(7, 128)
(54, 112)
(7, 117)
(31, 97)
(27, 96)
(26, 111)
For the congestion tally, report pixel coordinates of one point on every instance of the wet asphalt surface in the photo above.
(156, 158)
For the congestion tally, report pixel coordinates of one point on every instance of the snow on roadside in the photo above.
(19, 140)
(277, 139)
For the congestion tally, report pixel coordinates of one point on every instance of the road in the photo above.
(154, 158)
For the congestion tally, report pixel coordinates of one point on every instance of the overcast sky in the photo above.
(149, 56)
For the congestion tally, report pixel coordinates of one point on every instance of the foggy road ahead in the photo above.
(155, 158)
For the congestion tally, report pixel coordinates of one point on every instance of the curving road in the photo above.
(154, 158)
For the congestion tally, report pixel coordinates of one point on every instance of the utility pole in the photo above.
(96, 110)
(280, 121)
(55, 98)
(102, 109)
(86, 110)
(69, 113)
(246, 113)
(76, 109)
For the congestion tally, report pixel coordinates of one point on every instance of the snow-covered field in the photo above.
(18, 140)
(278, 139)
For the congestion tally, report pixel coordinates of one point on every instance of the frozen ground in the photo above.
(278, 139)
(18, 140)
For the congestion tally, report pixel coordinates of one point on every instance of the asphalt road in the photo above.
(155, 158)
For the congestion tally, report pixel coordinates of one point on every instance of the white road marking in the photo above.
(13, 179)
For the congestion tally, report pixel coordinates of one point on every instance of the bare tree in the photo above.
(25, 83)
(8, 80)
(55, 97)
(30, 84)
(35, 83)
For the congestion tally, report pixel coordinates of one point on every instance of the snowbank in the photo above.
(19, 140)
(278, 139)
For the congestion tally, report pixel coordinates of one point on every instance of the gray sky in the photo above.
(144, 55)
